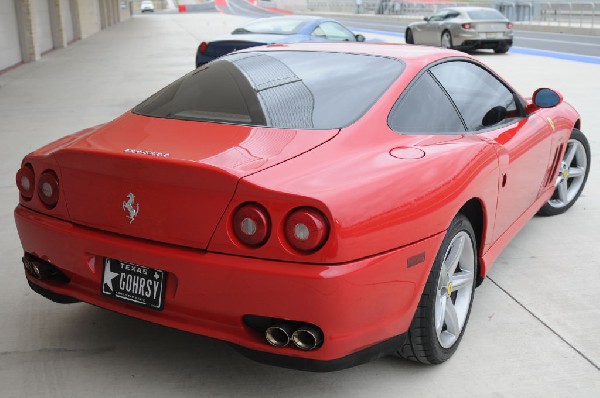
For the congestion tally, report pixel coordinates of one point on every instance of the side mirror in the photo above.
(426, 19)
(359, 38)
(546, 98)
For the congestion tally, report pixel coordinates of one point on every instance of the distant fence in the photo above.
(567, 13)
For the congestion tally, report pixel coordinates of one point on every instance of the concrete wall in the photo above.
(293, 5)
(43, 25)
(10, 47)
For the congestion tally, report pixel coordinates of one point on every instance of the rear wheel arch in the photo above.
(473, 209)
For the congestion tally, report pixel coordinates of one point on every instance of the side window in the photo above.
(333, 31)
(425, 109)
(439, 16)
(481, 98)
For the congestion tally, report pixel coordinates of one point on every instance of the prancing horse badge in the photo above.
(128, 206)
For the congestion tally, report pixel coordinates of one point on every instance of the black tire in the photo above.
(551, 208)
(449, 36)
(501, 49)
(422, 343)
(408, 36)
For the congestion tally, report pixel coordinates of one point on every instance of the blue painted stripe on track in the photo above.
(588, 59)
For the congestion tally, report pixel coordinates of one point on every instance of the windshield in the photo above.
(486, 14)
(282, 89)
(284, 26)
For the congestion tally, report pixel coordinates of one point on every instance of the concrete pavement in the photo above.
(532, 332)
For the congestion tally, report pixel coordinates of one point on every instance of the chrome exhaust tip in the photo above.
(307, 338)
(278, 335)
(43, 270)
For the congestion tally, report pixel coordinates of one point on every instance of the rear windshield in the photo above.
(281, 89)
(286, 26)
(486, 14)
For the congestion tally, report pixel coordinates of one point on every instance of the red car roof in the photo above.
(404, 52)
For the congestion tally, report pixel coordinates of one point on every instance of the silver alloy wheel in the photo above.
(446, 40)
(571, 174)
(454, 289)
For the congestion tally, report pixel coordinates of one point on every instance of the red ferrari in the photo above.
(317, 205)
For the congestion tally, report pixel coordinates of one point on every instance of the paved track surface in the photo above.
(244, 8)
(533, 330)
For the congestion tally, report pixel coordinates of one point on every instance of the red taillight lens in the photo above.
(26, 181)
(306, 229)
(467, 26)
(509, 25)
(203, 47)
(251, 224)
(48, 188)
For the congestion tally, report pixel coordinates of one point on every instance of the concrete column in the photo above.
(115, 11)
(103, 14)
(76, 15)
(87, 17)
(29, 50)
(112, 12)
(124, 13)
(57, 23)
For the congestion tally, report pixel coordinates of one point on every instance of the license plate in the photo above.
(134, 283)
(494, 35)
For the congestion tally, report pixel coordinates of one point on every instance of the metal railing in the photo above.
(583, 14)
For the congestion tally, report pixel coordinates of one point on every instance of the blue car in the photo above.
(288, 29)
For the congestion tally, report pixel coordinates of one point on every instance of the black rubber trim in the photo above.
(378, 350)
(50, 295)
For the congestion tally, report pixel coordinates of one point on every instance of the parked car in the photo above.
(147, 6)
(464, 28)
(286, 29)
(314, 214)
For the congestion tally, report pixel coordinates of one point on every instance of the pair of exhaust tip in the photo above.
(305, 338)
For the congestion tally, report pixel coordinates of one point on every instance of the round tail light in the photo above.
(509, 25)
(203, 47)
(26, 181)
(467, 26)
(251, 224)
(306, 229)
(48, 188)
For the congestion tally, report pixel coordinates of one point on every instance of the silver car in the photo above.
(464, 28)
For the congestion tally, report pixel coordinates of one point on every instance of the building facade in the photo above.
(30, 28)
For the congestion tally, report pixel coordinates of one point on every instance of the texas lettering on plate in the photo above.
(134, 283)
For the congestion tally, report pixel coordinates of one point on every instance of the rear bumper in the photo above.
(489, 44)
(202, 59)
(363, 307)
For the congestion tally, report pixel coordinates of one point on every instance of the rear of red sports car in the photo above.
(262, 214)
(162, 215)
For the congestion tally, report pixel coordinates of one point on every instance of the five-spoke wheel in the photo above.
(572, 175)
(446, 40)
(455, 288)
(445, 305)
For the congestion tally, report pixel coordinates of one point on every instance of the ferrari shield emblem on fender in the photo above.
(131, 207)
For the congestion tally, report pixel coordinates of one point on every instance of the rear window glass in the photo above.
(275, 26)
(282, 89)
(486, 14)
